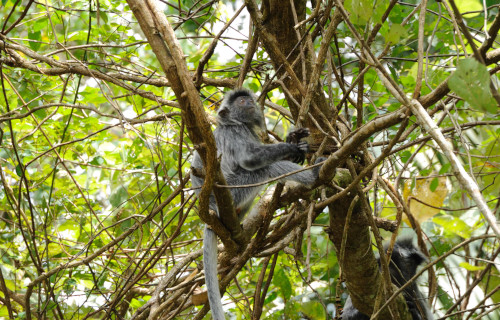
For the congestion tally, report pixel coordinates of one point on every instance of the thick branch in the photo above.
(162, 39)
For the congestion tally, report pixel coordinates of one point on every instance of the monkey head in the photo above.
(404, 261)
(240, 107)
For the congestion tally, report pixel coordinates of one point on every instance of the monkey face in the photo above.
(240, 107)
(244, 103)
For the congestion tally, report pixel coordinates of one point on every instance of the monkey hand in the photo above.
(299, 155)
(295, 138)
(296, 135)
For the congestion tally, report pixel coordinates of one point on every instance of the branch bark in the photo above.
(162, 39)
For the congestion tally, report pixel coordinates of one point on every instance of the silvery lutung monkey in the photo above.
(246, 160)
(403, 265)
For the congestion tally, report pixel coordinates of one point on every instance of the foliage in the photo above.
(95, 205)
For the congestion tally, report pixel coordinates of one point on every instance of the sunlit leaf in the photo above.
(431, 191)
(468, 6)
(470, 267)
(454, 225)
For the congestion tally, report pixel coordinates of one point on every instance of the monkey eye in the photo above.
(245, 102)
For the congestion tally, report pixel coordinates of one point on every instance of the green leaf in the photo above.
(445, 168)
(380, 6)
(70, 286)
(292, 310)
(360, 11)
(396, 32)
(4, 312)
(98, 160)
(470, 267)
(119, 196)
(434, 184)
(271, 297)
(313, 309)
(93, 95)
(469, 5)
(405, 156)
(103, 16)
(40, 24)
(19, 171)
(103, 279)
(138, 302)
(37, 36)
(444, 297)
(471, 81)
(281, 280)
(454, 225)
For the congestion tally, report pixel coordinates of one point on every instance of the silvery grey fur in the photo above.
(245, 160)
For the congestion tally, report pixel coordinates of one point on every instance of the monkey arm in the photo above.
(260, 156)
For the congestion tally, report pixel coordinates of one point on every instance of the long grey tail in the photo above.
(211, 281)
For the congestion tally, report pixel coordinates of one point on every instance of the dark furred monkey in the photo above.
(403, 265)
(245, 160)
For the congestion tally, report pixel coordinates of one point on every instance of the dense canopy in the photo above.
(102, 104)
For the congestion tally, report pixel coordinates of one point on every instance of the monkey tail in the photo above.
(211, 281)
